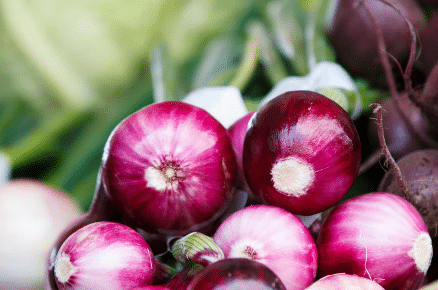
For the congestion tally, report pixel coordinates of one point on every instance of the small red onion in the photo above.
(104, 255)
(379, 236)
(235, 274)
(171, 167)
(344, 282)
(301, 152)
(274, 237)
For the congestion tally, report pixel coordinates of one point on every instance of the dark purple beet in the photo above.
(420, 174)
(429, 45)
(353, 35)
(428, 100)
(234, 274)
(400, 125)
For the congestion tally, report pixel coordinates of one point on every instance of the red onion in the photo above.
(104, 255)
(171, 167)
(235, 274)
(32, 215)
(344, 282)
(237, 132)
(274, 237)
(301, 153)
(379, 236)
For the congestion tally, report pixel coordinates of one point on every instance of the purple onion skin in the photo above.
(353, 36)
(316, 131)
(274, 237)
(237, 132)
(184, 146)
(372, 236)
(344, 282)
(104, 255)
(236, 274)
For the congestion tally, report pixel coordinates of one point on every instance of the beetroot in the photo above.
(353, 35)
(420, 174)
(429, 45)
(401, 123)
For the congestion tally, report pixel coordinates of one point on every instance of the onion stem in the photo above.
(43, 140)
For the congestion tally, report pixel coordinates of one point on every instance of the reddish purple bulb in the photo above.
(234, 274)
(301, 152)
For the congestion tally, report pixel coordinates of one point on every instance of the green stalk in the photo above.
(70, 90)
(248, 64)
(269, 57)
(44, 139)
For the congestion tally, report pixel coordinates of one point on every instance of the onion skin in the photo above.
(373, 236)
(104, 255)
(274, 237)
(181, 138)
(305, 127)
(236, 274)
(344, 282)
(237, 132)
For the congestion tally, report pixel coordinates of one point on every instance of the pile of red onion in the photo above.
(170, 209)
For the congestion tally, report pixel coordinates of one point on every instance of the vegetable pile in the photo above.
(295, 151)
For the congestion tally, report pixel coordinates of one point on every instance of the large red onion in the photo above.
(379, 236)
(301, 152)
(171, 167)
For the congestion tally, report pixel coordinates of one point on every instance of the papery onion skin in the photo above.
(274, 237)
(343, 281)
(372, 236)
(236, 274)
(170, 141)
(316, 137)
(104, 255)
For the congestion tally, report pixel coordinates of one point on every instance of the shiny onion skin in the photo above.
(302, 152)
(237, 132)
(379, 236)
(236, 274)
(274, 237)
(171, 167)
(104, 256)
(343, 281)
